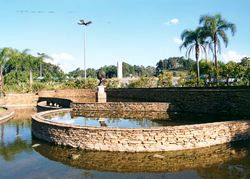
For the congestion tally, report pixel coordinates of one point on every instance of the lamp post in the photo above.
(84, 24)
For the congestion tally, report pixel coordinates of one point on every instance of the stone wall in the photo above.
(64, 97)
(139, 140)
(153, 115)
(46, 106)
(19, 100)
(119, 106)
(76, 95)
(198, 100)
(6, 115)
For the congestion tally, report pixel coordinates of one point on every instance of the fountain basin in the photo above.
(166, 138)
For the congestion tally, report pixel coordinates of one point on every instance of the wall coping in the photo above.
(163, 138)
(40, 118)
(7, 115)
(210, 89)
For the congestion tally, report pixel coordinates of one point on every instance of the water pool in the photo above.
(20, 159)
(135, 120)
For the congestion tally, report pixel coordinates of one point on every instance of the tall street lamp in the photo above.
(84, 24)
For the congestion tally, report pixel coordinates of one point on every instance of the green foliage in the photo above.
(136, 71)
(165, 79)
(113, 83)
(143, 82)
(76, 73)
(80, 83)
(216, 28)
(38, 86)
(16, 77)
(174, 63)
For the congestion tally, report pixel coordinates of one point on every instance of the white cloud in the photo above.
(232, 56)
(173, 21)
(177, 40)
(64, 60)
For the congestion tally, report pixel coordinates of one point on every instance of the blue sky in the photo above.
(135, 31)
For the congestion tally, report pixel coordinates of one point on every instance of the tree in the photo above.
(76, 73)
(245, 62)
(165, 79)
(194, 40)
(207, 70)
(30, 62)
(216, 28)
(4, 56)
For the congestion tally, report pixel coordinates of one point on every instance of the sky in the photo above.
(138, 32)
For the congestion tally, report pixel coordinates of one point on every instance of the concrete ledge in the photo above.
(141, 139)
(7, 115)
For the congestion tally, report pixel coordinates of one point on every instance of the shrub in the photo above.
(143, 82)
(165, 79)
(113, 83)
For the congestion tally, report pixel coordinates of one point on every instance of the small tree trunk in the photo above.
(215, 58)
(1, 77)
(227, 80)
(31, 78)
(197, 51)
(2, 134)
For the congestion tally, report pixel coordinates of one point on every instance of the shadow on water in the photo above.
(147, 119)
(234, 168)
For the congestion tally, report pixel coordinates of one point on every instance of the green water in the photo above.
(18, 159)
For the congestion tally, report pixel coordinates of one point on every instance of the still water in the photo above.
(135, 120)
(18, 159)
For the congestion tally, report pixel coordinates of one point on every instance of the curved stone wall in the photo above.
(45, 106)
(6, 115)
(139, 140)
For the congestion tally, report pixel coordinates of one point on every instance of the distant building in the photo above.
(119, 70)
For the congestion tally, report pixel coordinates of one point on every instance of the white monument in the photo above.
(119, 70)
(101, 96)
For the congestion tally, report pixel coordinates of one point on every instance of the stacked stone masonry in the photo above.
(140, 140)
(195, 100)
(75, 95)
(119, 106)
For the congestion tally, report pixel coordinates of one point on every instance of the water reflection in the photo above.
(230, 169)
(142, 162)
(9, 150)
(47, 161)
(15, 135)
(136, 119)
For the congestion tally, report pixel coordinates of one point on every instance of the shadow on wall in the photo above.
(51, 103)
(234, 100)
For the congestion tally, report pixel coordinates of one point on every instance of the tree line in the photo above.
(21, 68)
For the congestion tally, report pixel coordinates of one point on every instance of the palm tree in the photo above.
(41, 57)
(217, 27)
(31, 61)
(16, 57)
(194, 40)
(4, 56)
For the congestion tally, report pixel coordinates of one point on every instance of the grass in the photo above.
(2, 109)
